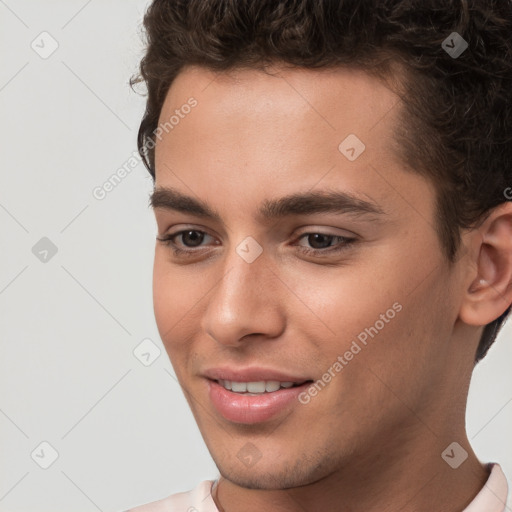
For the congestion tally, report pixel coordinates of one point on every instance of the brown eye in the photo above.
(319, 240)
(191, 242)
(322, 243)
(191, 238)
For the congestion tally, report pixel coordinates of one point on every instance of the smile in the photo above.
(256, 401)
(257, 387)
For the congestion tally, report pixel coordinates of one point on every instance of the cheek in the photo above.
(403, 354)
(168, 310)
(173, 286)
(347, 300)
(169, 300)
(371, 312)
(162, 297)
(179, 296)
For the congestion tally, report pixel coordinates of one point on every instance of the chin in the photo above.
(271, 475)
(263, 481)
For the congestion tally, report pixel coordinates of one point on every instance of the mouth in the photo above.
(257, 388)
(254, 401)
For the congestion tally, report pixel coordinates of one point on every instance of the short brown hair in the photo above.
(456, 124)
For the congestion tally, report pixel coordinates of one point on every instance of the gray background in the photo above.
(70, 321)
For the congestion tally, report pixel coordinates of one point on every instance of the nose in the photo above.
(246, 301)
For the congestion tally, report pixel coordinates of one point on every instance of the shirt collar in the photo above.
(493, 495)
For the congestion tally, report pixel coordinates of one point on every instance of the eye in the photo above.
(191, 238)
(322, 243)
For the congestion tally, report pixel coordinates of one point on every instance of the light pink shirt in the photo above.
(492, 497)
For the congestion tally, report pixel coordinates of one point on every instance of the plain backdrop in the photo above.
(75, 280)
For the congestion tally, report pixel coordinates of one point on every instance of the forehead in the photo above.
(340, 99)
(251, 134)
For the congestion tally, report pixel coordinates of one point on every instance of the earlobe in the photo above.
(489, 293)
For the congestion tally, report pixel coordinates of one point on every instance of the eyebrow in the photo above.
(308, 203)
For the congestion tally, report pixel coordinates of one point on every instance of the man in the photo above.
(334, 253)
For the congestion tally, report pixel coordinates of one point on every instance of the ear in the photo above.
(489, 285)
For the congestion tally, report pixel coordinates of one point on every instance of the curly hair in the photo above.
(456, 121)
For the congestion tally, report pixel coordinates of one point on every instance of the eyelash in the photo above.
(168, 240)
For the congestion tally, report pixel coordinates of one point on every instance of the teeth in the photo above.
(258, 387)
(239, 387)
(272, 385)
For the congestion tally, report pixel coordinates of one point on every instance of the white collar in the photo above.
(493, 495)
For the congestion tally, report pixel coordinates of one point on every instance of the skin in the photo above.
(372, 438)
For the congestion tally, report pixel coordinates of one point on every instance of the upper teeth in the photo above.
(262, 386)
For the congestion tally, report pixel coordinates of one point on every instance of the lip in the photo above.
(241, 408)
(252, 374)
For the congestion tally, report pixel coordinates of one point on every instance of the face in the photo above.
(305, 252)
